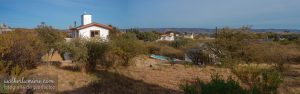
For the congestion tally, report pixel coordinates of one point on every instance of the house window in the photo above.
(94, 33)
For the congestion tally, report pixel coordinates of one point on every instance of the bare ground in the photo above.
(291, 83)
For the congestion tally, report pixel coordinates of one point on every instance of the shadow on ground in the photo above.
(114, 83)
(70, 68)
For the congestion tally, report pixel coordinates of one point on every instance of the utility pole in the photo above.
(216, 32)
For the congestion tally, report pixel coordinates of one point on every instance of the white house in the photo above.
(89, 29)
(4, 28)
(189, 35)
(167, 37)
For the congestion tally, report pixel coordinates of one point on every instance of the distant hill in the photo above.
(204, 30)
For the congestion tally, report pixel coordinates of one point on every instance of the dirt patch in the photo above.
(55, 57)
(170, 76)
(67, 80)
(291, 83)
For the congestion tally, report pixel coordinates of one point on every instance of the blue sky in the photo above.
(284, 14)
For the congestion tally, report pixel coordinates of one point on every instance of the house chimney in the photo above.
(86, 18)
(75, 24)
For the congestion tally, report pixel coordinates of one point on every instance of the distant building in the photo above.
(189, 35)
(4, 28)
(167, 37)
(89, 29)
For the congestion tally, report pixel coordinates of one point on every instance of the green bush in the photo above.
(248, 74)
(49, 36)
(96, 50)
(145, 36)
(171, 52)
(118, 51)
(77, 49)
(86, 53)
(216, 86)
(127, 47)
(182, 43)
(263, 80)
(198, 56)
(164, 50)
(271, 79)
(153, 47)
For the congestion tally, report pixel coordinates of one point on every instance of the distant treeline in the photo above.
(209, 31)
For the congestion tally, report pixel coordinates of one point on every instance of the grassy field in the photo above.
(145, 76)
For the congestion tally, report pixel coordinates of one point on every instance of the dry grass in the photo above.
(67, 80)
(161, 78)
(168, 76)
(291, 83)
(56, 57)
(171, 76)
(100, 82)
(145, 76)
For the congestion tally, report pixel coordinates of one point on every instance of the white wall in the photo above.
(167, 38)
(86, 32)
(86, 19)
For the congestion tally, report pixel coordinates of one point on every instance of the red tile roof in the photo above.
(92, 24)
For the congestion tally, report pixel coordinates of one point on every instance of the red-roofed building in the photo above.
(89, 29)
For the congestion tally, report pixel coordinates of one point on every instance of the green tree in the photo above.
(77, 50)
(183, 43)
(50, 36)
(231, 43)
(145, 36)
(149, 36)
(115, 32)
(127, 46)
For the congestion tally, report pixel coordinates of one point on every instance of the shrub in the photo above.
(231, 43)
(96, 51)
(145, 36)
(118, 51)
(272, 53)
(126, 47)
(112, 57)
(153, 48)
(164, 50)
(198, 56)
(216, 86)
(114, 33)
(248, 74)
(50, 36)
(271, 79)
(182, 43)
(149, 36)
(171, 52)
(86, 52)
(77, 49)
(263, 80)
(23, 49)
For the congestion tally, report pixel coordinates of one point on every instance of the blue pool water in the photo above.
(162, 57)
